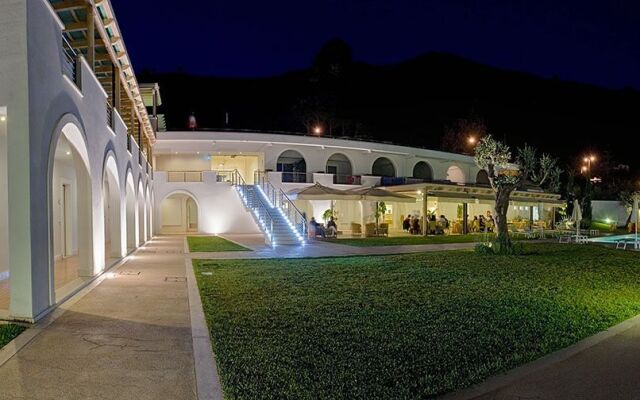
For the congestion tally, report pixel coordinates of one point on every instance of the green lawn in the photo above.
(211, 244)
(8, 332)
(408, 240)
(405, 326)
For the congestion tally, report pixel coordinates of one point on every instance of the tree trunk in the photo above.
(502, 207)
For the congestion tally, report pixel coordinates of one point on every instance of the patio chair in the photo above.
(356, 229)
(370, 229)
(383, 230)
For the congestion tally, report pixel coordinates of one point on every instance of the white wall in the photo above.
(64, 173)
(220, 209)
(4, 198)
(316, 151)
(40, 101)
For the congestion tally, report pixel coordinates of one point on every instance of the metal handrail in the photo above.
(69, 66)
(280, 200)
(239, 183)
(110, 115)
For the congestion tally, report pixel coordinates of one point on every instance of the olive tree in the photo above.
(507, 175)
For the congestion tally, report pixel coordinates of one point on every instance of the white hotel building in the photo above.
(86, 177)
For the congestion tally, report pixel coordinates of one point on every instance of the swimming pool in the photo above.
(614, 239)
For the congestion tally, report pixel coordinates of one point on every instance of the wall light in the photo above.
(3, 118)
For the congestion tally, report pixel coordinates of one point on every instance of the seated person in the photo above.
(475, 224)
(318, 228)
(332, 228)
(406, 224)
(443, 221)
(482, 224)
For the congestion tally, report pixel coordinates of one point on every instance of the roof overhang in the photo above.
(470, 192)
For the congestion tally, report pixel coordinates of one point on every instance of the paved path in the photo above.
(317, 248)
(608, 370)
(128, 338)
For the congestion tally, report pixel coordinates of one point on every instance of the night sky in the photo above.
(590, 42)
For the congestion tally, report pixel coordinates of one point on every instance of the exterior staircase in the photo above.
(278, 218)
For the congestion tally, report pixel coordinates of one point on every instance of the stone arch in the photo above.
(383, 167)
(142, 213)
(70, 205)
(114, 242)
(293, 166)
(341, 166)
(482, 178)
(179, 212)
(149, 211)
(422, 170)
(131, 211)
(455, 174)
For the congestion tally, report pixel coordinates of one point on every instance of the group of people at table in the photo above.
(438, 226)
(411, 224)
(318, 229)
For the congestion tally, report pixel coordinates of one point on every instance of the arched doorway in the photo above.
(340, 166)
(142, 215)
(383, 167)
(149, 213)
(131, 213)
(482, 178)
(113, 243)
(293, 166)
(455, 174)
(70, 219)
(422, 170)
(178, 214)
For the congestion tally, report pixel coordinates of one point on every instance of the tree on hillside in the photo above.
(507, 175)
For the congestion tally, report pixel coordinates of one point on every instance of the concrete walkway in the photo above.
(318, 248)
(605, 369)
(128, 338)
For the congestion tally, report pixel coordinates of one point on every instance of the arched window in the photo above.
(422, 170)
(383, 167)
(340, 166)
(482, 178)
(455, 174)
(293, 166)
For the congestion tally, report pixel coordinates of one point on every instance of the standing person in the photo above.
(332, 228)
(406, 224)
(415, 226)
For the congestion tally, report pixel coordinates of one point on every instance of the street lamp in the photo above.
(472, 140)
(317, 130)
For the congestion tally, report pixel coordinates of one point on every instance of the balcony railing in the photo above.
(347, 179)
(69, 60)
(184, 176)
(110, 115)
(297, 177)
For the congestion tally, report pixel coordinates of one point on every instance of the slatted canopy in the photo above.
(92, 30)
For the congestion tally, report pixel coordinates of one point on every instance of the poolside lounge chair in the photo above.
(623, 243)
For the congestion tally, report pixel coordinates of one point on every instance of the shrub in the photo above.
(495, 247)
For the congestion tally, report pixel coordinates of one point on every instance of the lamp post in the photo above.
(586, 168)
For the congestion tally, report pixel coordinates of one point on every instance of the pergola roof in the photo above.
(458, 191)
(110, 49)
